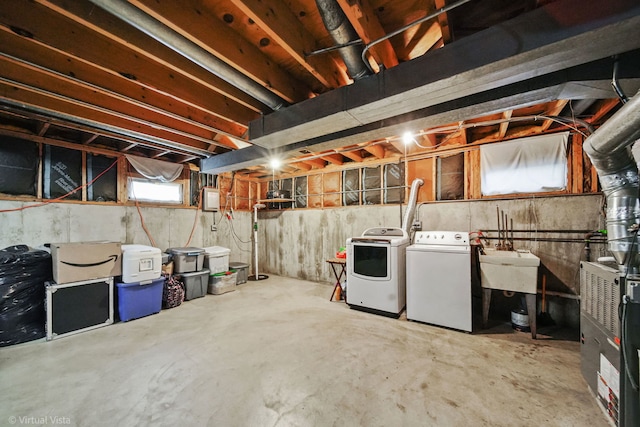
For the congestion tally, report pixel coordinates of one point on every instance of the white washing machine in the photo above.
(439, 279)
(376, 270)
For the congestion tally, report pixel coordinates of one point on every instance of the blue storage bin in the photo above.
(139, 299)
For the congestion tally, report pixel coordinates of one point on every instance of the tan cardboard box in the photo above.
(74, 262)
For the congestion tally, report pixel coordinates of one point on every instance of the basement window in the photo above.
(146, 190)
(528, 165)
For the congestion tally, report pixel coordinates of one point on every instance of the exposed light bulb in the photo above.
(275, 163)
(407, 138)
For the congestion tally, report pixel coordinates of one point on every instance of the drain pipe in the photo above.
(343, 34)
(185, 47)
(411, 205)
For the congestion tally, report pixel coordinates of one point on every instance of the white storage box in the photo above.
(216, 259)
(140, 263)
(187, 260)
(222, 283)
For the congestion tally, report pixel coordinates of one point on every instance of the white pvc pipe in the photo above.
(255, 238)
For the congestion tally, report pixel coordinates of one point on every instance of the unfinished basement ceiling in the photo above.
(232, 82)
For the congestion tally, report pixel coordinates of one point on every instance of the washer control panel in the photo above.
(449, 238)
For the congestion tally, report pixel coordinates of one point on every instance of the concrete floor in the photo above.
(277, 352)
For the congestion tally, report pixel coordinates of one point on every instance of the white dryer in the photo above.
(376, 270)
(439, 279)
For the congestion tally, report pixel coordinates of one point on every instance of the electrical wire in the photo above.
(627, 369)
(37, 205)
(195, 219)
(572, 123)
(135, 199)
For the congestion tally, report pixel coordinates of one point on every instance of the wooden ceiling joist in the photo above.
(335, 159)
(194, 21)
(377, 150)
(283, 27)
(368, 27)
(353, 155)
(314, 162)
(119, 58)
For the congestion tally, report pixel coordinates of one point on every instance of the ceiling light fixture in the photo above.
(407, 138)
(275, 163)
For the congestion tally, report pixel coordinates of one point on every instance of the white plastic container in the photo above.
(140, 263)
(222, 283)
(216, 259)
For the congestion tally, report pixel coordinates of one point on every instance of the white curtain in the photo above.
(155, 169)
(528, 165)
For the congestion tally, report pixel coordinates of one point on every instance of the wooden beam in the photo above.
(90, 139)
(103, 23)
(55, 61)
(472, 189)
(33, 97)
(603, 110)
(367, 25)
(62, 33)
(398, 145)
(285, 29)
(377, 150)
(555, 110)
(443, 21)
(301, 166)
(353, 155)
(161, 154)
(504, 126)
(194, 20)
(42, 128)
(335, 159)
(314, 162)
(463, 133)
(73, 91)
(577, 164)
(424, 37)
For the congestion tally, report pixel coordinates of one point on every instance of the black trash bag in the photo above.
(23, 334)
(23, 273)
(22, 315)
(21, 262)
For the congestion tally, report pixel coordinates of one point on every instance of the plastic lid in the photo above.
(238, 265)
(189, 250)
(224, 273)
(139, 248)
(217, 250)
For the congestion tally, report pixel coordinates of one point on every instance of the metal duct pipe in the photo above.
(608, 149)
(343, 33)
(407, 220)
(185, 47)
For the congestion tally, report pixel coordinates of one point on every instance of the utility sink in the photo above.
(515, 271)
